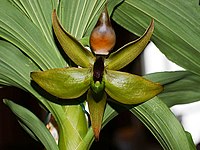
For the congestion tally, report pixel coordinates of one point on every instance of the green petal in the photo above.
(96, 104)
(65, 83)
(129, 52)
(128, 88)
(76, 52)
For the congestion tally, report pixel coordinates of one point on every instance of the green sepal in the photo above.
(65, 83)
(128, 88)
(96, 104)
(130, 51)
(75, 50)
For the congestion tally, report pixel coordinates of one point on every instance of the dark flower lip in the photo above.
(98, 69)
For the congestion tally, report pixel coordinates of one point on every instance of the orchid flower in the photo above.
(97, 75)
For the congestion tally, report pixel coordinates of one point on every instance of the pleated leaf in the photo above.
(171, 137)
(15, 70)
(129, 52)
(157, 117)
(39, 12)
(74, 124)
(78, 119)
(162, 123)
(65, 83)
(176, 31)
(15, 66)
(34, 125)
(26, 35)
(128, 88)
(181, 87)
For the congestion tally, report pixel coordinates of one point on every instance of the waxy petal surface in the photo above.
(128, 88)
(65, 83)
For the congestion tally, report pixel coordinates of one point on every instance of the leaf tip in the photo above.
(5, 101)
(152, 24)
(33, 74)
(54, 13)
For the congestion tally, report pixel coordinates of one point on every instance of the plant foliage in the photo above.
(27, 44)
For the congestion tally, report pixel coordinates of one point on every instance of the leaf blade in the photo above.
(158, 118)
(25, 35)
(163, 124)
(34, 124)
(15, 69)
(180, 87)
(172, 24)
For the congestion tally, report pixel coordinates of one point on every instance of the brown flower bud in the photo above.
(103, 38)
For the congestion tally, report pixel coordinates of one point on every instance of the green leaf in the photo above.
(128, 88)
(15, 67)
(76, 52)
(28, 130)
(180, 87)
(78, 120)
(163, 125)
(96, 104)
(68, 119)
(18, 29)
(74, 126)
(176, 31)
(190, 140)
(158, 118)
(34, 124)
(65, 83)
(39, 12)
(15, 70)
(129, 52)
